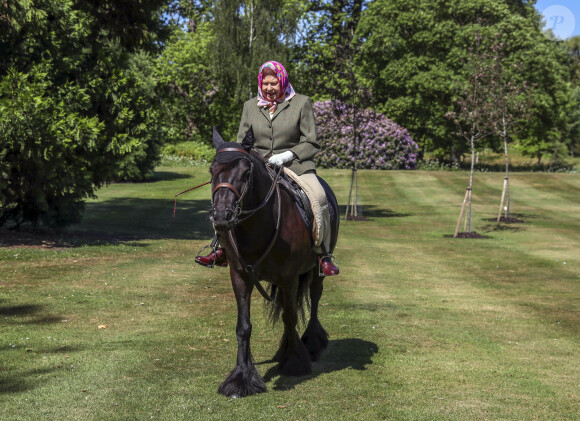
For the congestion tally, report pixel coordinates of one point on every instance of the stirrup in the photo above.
(332, 258)
(213, 250)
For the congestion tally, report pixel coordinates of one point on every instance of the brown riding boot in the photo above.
(327, 266)
(215, 258)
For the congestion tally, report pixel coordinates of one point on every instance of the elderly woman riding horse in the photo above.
(262, 233)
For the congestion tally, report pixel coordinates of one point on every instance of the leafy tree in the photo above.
(72, 108)
(188, 85)
(40, 179)
(330, 50)
(415, 50)
(572, 138)
(573, 122)
(573, 47)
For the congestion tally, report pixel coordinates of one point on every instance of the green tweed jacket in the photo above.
(292, 128)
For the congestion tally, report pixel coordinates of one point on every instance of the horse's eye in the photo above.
(246, 176)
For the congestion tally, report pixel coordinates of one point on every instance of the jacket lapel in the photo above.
(265, 113)
(280, 108)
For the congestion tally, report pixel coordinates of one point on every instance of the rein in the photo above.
(185, 191)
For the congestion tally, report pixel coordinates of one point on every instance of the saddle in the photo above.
(298, 195)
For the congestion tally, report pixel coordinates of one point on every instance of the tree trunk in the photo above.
(472, 141)
(461, 214)
(251, 40)
(507, 176)
(349, 196)
(355, 191)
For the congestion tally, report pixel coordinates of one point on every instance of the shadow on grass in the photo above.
(168, 176)
(22, 381)
(341, 354)
(34, 313)
(549, 167)
(499, 227)
(373, 211)
(130, 221)
(122, 221)
(20, 310)
(17, 381)
(160, 176)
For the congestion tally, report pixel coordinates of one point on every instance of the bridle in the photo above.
(245, 214)
(238, 211)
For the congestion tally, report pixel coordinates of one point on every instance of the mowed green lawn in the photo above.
(114, 321)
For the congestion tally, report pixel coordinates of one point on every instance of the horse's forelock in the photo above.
(230, 156)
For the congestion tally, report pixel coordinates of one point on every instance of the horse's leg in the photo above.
(244, 380)
(315, 337)
(293, 357)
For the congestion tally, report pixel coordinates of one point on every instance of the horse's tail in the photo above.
(275, 307)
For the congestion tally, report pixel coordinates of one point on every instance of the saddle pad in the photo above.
(316, 209)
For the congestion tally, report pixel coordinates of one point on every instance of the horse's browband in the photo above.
(233, 150)
(228, 186)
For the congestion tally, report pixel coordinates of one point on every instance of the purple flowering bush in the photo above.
(381, 145)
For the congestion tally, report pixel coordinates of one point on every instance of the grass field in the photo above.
(113, 321)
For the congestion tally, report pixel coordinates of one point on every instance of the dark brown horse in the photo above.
(266, 240)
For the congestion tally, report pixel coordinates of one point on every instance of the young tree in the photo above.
(511, 104)
(474, 113)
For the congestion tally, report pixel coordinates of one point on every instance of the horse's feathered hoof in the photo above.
(242, 382)
(315, 339)
(295, 362)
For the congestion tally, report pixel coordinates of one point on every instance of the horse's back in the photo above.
(334, 212)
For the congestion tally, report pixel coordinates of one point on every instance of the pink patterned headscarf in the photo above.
(286, 90)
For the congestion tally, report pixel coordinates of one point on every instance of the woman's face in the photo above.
(270, 87)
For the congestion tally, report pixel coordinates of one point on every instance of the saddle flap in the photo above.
(299, 197)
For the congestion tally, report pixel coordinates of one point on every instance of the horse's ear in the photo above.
(248, 142)
(218, 142)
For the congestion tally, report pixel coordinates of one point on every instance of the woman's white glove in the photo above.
(281, 158)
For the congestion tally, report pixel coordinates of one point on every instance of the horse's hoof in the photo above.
(296, 364)
(315, 339)
(242, 382)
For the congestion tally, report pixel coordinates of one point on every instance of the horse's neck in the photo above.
(258, 228)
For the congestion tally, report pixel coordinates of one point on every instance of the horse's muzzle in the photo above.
(223, 219)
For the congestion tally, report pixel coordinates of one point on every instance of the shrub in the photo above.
(199, 152)
(46, 150)
(382, 144)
